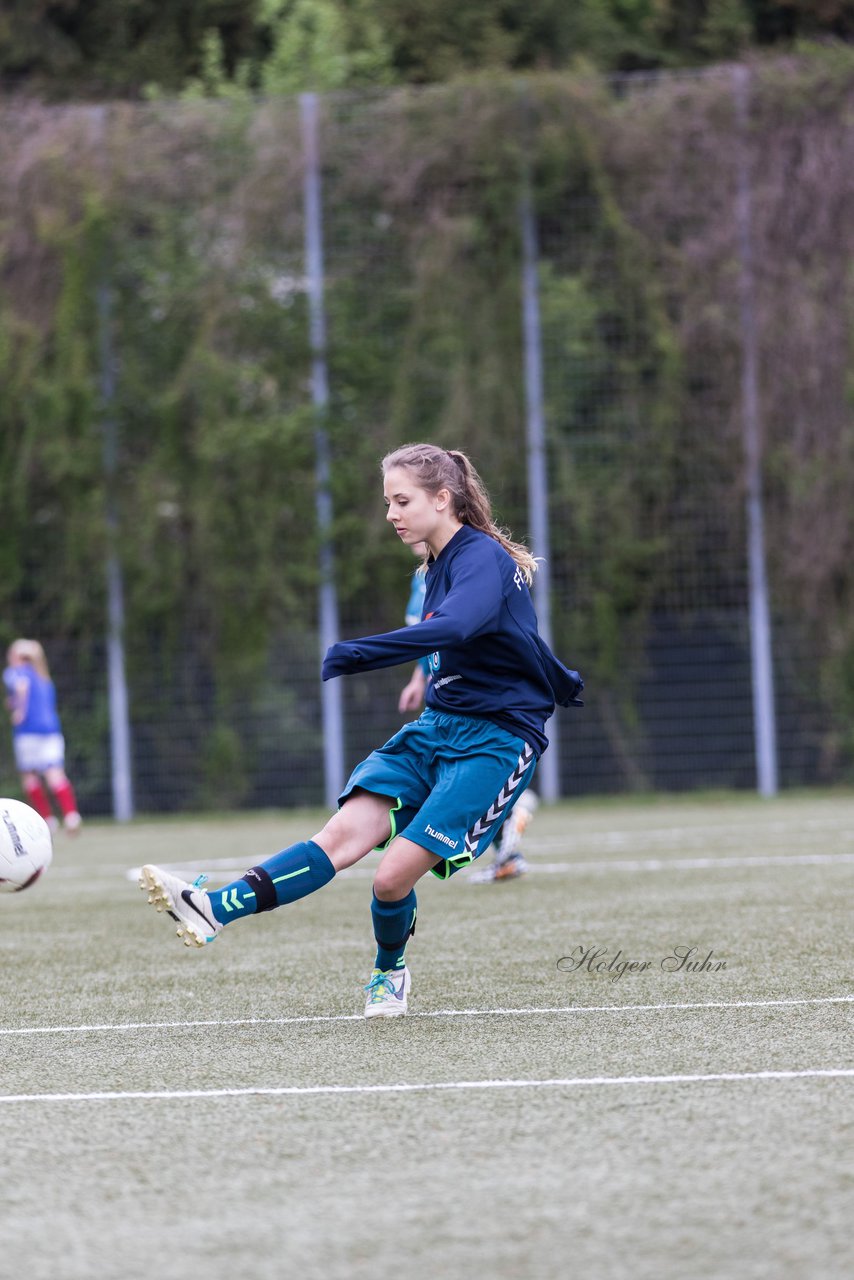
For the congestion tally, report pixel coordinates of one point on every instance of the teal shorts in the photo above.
(454, 779)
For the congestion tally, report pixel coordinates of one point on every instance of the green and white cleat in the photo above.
(187, 904)
(388, 993)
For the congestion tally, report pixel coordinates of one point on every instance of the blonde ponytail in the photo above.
(434, 469)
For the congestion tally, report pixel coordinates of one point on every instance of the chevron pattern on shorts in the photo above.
(498, 805)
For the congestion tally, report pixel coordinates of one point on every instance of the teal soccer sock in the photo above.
(294, 873)
(394, 924)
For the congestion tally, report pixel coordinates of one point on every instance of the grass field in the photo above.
(228, 1113)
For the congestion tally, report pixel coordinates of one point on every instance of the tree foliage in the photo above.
(67, 49)
(163, 244)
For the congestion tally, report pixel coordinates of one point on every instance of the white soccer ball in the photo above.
(26, 847)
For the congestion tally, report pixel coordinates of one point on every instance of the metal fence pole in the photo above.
(120, 737)
(333, 720)
(761, 657)
(548, 774)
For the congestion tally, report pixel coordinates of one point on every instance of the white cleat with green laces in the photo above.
(388, 993)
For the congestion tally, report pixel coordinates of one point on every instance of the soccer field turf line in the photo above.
(277, 1091)
(436, 1013)
(228, 869)
(696, 864)
(699, 1137)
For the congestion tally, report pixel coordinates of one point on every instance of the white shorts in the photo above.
(35, 752)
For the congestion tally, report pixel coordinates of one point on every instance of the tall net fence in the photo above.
(156, 353)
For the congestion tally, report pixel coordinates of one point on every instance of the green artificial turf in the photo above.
(547, 1138)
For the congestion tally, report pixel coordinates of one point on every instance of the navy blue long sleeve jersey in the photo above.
(479, 627)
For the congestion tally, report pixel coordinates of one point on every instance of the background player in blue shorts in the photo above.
(435, 795)
(37, 734)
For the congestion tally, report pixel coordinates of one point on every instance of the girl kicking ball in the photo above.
(434, 796)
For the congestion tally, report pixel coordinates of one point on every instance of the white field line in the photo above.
(696, 864)
(87, 1028)
(280, 1091)
(723, 833)
(228, 869)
